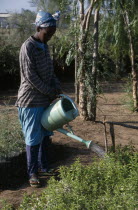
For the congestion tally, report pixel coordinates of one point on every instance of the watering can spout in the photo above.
(89, 144)
(67, 133)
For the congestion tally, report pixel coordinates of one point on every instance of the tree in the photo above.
(129, 8)
(92, 96)
(119, 35)
(87, 79)
(22, 26)
(20, 29)
(51, 5)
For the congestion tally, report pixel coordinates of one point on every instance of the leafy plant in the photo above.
(106, 184)
(9, 60)
(6, 206)
(11, 137)
(128, 98)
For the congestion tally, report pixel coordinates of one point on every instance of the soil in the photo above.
(64, 150)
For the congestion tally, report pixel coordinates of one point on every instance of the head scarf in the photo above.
(45, 19)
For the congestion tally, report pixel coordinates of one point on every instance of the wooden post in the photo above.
(105, 136)
(112, 135)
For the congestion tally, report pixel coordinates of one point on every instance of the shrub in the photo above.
(9, 59)
(128, 98)
(11, 137)
(110, 184)
(9, 66)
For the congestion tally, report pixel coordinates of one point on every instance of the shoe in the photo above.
(34, 181)
(48, 172)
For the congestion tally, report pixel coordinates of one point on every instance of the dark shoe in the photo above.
(34, 181)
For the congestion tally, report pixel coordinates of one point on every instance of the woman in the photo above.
(39, 87)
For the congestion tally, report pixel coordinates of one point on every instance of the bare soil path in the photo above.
(65, 150)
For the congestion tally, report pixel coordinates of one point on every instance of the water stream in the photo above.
(97, 149)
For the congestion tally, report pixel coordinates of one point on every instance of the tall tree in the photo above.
(21, 26)
(121, 31)
(92, 98)
(84, 27)
(129, 8)
(87, 77)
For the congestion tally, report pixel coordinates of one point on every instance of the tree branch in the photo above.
(81, 10)
(86, 20)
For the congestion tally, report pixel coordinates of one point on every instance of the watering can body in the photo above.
(59, 113)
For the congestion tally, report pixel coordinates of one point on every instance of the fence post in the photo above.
(112, 135)
(106, 141)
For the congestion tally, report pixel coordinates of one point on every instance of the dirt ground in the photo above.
(64, 150)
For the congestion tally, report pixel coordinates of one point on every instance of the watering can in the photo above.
(60, 113)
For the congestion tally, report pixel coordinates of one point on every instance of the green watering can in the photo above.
(60, 113)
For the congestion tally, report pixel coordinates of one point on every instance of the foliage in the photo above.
(21, 27)
(9, 60)
(50, 6)
(113, 37)
(128, 97)
(6, 206)
(11, 137)
(110, 183)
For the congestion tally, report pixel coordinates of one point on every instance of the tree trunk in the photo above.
(82, 91)
(76, 83)
(134, 77)
(82, 88)
(92, 98)
(76, 76)
(133, 71)
(84, 26)
(82, 100)
(132, 58)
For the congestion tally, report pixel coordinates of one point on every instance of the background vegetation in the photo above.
(11, 137)
(114, 61)
(86, 48)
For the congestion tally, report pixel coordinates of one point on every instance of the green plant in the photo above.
(6, 206)
(9, 60)
(108, 184)
(11, 137)
(128, 98)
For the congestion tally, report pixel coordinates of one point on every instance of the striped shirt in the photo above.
(38, 81)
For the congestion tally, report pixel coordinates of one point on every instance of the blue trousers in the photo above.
(36, 138)
(37, 156)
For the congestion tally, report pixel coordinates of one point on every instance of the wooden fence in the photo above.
(112, 124)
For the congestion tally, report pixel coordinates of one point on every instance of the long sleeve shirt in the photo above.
(38, 81)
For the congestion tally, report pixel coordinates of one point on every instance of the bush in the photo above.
(9, 66)
(110, 184)
(9, 59)
(11, 137)
(128, 98)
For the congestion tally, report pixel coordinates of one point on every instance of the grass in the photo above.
(11, 137)
(127, 100)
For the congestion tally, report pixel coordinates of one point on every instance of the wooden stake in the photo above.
(112, 135)
(105, 136)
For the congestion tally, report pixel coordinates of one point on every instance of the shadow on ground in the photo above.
(13, 172)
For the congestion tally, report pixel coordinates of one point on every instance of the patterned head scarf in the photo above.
(45, 19)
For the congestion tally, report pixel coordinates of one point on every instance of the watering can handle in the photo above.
(65, 96)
